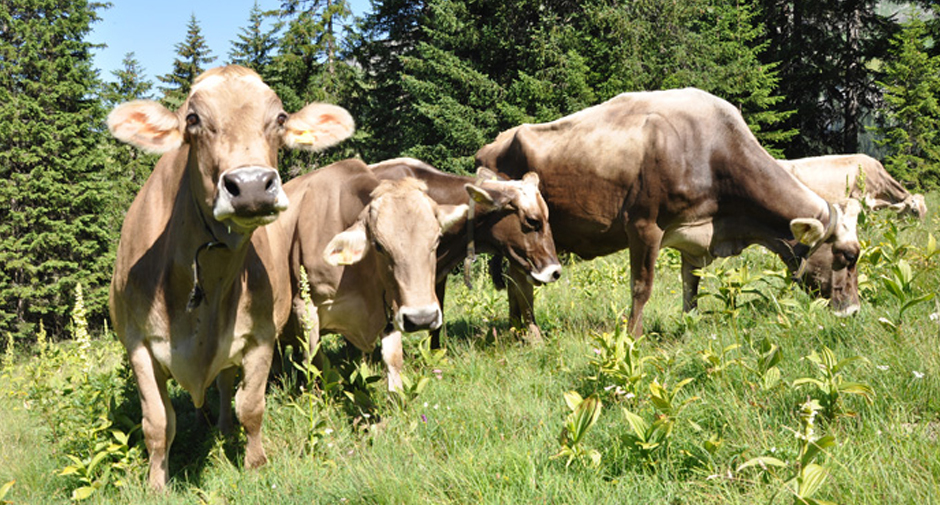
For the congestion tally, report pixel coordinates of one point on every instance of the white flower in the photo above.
(918, 375)
(328, 431)
(935, 316)
(425, 404)
(883, 368)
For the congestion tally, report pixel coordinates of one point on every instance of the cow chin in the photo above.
(843, 299)
(250, 223)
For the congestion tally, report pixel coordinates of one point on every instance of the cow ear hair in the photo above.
(531, 178)
(147, 125)
(347, 247)
(486, 200)
(450, 215)
(318, 126)
(807, 230)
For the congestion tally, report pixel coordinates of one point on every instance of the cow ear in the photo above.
(450, 215)
(147, 125)
(485, 174)
(807, 230)
(486, 200)
(531, 178)
(318, 126)
(348, 247)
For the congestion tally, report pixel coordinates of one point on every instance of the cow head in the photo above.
(233, 125)
(521, 231)
(830, 265)
(401, 228)
(916, 206)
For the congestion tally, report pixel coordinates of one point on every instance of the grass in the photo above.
(487, 423)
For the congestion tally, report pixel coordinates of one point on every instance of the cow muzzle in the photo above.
(250, 196)
(410, 319)
(551, 273)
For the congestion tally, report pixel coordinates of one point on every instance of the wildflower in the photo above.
(438, 373)
(918, 375)
(883, 368)
(935, 317)
(597, 351)
(328, 431)
(424, 418)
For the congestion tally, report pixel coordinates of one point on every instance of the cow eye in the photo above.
(192, 119)
(533, 223)
(281, 119)
(379, 248)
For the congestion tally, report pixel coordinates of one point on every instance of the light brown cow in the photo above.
(510, 219)
(200, 285)
(369, 248)
(679, 169)
(837, 178)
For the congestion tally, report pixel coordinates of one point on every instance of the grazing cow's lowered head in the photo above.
(233, 125)
(522, 229)
(830, 266)
(401, 227)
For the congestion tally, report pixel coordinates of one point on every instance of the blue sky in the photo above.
(151, 30)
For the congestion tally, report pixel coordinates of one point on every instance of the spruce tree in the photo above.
(128, 167)
(255, 47)
(193, 54)
(910, 118)
(54, 190)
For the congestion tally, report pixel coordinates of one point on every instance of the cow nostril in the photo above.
(556, 275)
(232, 187)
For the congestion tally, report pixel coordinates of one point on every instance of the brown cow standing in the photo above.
(837, 178)
(200, 285)
(676, 168)
(510, 219)
(369, 248)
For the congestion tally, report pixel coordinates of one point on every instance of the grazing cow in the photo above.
(510, 219)
(200, 285)
(679, 169)
(369, 248)
(840, 177)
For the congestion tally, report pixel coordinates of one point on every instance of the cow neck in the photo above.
(233, 241)
(830, 229)
(471, 246)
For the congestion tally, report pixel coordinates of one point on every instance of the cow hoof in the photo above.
(255, 460)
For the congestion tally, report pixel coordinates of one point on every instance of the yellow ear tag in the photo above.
(306, 137)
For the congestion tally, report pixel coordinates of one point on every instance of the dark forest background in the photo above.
(436, 80)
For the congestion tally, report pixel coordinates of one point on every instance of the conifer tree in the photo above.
(193, 54)
(54, 190)
(255, 47)
(910, 119)
(128, 167)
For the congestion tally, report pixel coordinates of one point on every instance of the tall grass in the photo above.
(491, 415)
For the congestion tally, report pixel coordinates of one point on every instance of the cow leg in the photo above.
(690, 283)
(226, 384)
(440, 289)
(159, 418)
(249, 399)
(392, 354)
(521, 304)
(644, 248)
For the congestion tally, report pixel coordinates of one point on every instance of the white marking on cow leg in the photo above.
(846, 312)
(392, 355)
(226, 383)
(159, 418)
(249, 400)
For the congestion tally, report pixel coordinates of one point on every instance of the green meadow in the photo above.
(761, 396)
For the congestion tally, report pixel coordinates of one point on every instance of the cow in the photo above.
(840, 177)
(510, 219)
(200, 285)
(369, 249)
(680, 169)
